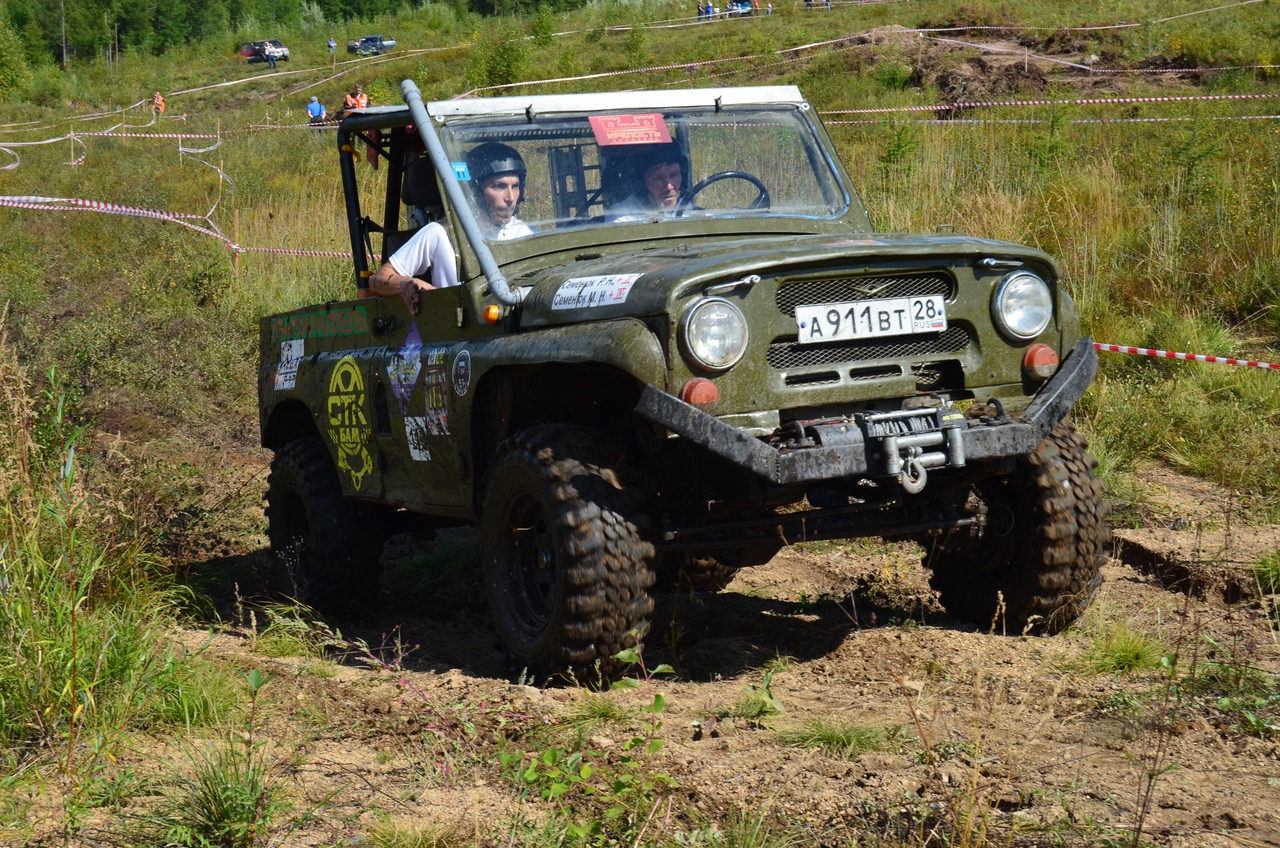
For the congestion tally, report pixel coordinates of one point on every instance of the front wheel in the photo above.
(1043, 547)
(566, 565)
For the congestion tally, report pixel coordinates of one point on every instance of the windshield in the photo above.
(529, 177)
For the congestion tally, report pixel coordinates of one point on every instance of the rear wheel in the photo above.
(1043, 546)
(325, 550)
(566, 565)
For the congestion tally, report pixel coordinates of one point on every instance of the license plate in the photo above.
(868, 319)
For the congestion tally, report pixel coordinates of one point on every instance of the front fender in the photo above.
(625, 344)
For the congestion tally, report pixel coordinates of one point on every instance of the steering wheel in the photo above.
(760, 201)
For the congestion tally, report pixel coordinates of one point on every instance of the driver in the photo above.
(662, 175)
(497, 181)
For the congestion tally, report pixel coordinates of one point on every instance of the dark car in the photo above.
(257, 51)
(629, 391)
(371, 45)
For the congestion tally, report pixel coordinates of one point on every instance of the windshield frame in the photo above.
(826, 196)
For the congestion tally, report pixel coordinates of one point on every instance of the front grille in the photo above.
(848, 289)
(788, 353)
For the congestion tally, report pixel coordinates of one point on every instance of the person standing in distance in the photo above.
(357, 99)
(315, 111)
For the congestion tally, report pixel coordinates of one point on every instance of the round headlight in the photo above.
(1023, 305)
(714, 334)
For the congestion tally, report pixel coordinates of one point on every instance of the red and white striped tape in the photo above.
(31, 201)
(1190, 357)
(112, 134)
(285, 251)
(73, 204)
(966, 122)
(1085, 101)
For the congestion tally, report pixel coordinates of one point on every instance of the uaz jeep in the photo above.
(632, 391)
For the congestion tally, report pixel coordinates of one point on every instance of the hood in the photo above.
(646, 281)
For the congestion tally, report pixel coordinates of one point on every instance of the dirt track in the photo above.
(1013, 734)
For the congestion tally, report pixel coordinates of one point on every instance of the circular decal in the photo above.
(348, 427)
(462, 373)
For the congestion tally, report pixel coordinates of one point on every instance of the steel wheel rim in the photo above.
(529, 565)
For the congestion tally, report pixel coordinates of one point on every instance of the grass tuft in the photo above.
(396, 835)
(1266, 572)
(597, 710)
(840, 740)
(1120, 649)
(225, 800)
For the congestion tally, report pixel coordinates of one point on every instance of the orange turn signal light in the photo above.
(1040, 362)
(702, 393)
(491, 313)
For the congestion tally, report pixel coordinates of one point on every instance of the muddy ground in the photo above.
(1017, 740)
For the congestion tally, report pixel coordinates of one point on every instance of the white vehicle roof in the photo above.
(613, 101)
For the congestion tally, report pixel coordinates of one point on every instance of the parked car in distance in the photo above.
(257, 51)
(371, 45)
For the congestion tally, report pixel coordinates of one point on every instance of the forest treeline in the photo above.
(41, 32)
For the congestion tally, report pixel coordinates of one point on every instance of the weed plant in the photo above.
(82, 619)
(227, 796)
(757, 704)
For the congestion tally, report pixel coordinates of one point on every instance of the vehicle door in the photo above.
(422, 379)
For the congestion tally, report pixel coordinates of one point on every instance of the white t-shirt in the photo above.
(634, 209)
(513, 229)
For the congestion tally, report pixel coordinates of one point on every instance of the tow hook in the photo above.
(914, 476)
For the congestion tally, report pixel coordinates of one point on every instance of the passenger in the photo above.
(662, 174)
(497, 182)
(497, 174)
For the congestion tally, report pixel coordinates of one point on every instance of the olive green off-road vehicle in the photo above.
(622, 391)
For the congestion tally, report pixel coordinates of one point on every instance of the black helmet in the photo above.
(493, 159)
(644, 157)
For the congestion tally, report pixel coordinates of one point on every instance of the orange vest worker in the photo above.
(356, 99)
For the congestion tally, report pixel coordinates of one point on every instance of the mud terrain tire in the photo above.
(1043, 547)
(566, 565)
(325, 552)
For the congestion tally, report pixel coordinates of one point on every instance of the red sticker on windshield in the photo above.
(629, 129)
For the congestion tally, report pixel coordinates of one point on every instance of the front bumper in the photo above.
(784, 467)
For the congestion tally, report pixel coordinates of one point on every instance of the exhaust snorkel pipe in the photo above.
(470, 226)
